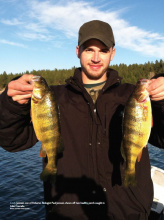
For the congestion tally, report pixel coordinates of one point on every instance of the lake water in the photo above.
(21, 190)
(20, 182)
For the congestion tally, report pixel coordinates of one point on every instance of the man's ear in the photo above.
(78, 51)
(113, 53)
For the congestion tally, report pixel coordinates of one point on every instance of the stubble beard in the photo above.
(93, 75)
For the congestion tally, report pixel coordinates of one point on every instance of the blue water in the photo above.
(20, 182)
(21, 190)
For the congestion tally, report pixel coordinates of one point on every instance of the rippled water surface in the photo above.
(20, 183)
(21, 190)
(156, 156)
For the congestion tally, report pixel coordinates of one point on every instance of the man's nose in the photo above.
(96, 57)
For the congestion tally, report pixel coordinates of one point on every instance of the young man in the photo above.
(91, 169)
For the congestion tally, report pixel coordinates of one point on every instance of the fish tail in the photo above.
(48, 174)
(130, 179)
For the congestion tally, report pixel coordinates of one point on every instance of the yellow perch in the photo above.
(137, 123)
(45, 120)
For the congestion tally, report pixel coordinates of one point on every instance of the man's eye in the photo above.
(88, 50)
(105, 51)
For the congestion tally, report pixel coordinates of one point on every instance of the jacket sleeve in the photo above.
(16, 129)
(157, 131)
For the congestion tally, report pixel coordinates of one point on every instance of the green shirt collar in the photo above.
(88, 86)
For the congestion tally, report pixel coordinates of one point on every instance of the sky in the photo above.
(41, 34)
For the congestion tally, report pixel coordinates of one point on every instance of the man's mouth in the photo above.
(95, 67)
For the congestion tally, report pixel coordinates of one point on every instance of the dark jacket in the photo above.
(91, 168)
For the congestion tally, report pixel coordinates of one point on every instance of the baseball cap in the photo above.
(96, 29)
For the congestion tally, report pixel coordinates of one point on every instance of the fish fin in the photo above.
(43, 151)
(48, 174)
(130, 179)
(139, 156)
(123, 152)
(145, 112)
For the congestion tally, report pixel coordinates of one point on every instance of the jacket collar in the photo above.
(76, 80)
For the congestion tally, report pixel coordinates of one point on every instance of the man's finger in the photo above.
(20, 86)
(26, 78)
(12, 93)
(21, 97)
(24, 101)
(17, 86)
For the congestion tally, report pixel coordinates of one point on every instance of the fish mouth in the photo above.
(142, 95)
(144, 82)
(35, 80)
(38, 86)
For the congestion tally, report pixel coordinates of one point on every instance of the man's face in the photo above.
(95, 58)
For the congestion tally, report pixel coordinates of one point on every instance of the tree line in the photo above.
(130, 73)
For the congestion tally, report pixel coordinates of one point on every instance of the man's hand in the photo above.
(20, 90)
(156, 89)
